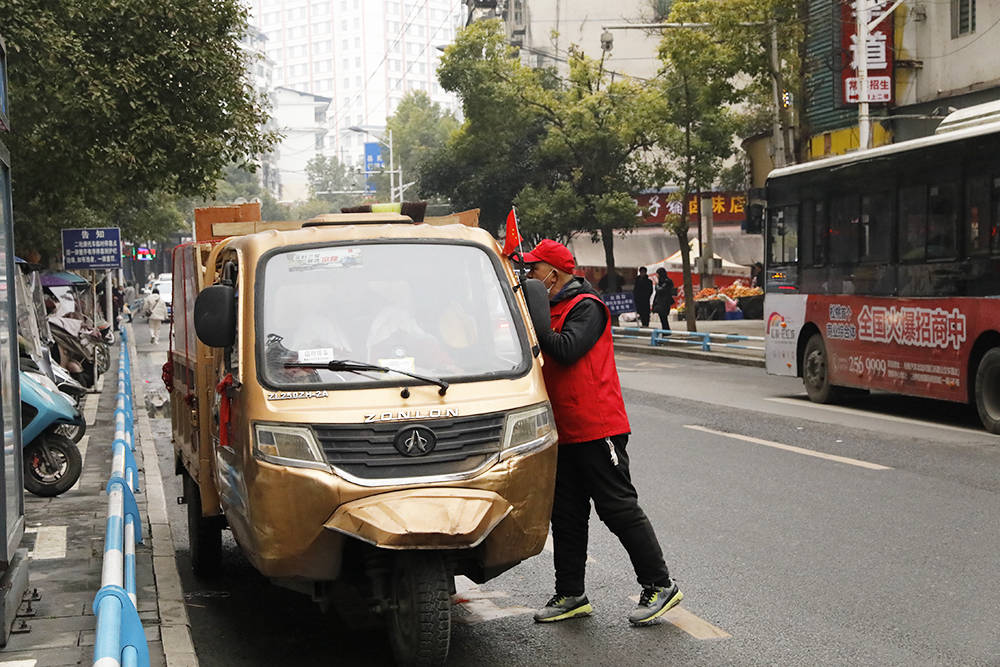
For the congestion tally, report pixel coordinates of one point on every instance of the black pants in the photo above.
(587, 472)
(643, 312)
(664, 319)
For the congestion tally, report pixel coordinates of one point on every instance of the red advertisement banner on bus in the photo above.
(909, 346)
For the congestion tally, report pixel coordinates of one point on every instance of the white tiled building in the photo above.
(361, 54)
(301, 118)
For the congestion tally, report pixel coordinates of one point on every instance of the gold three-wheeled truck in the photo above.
(360, 400)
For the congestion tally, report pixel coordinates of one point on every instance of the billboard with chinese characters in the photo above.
(98, 248)
(726, 207)
(878, 49)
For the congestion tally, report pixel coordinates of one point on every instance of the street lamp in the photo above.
(392, 172)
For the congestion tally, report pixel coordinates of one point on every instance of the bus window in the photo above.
(876, 227)
(784, 235)
(942, 221)
(806, 229)
(977, 215)
(844, 219)
(912, 223)
(821, 234)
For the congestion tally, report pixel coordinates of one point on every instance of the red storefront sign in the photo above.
(878, 49)
(726, 207)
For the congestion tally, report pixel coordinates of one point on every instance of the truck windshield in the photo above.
(435, 309)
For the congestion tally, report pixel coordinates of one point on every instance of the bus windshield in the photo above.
(435, 309)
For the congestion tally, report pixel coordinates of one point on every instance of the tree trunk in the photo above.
(682, 238)
(608, 240)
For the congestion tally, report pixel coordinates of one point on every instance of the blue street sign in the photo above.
(373, 162)
(619, 302)
(99, 248)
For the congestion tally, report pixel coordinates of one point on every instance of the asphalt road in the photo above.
(886, 555)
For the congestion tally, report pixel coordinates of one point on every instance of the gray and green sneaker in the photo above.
(561, 607)
(654, 602)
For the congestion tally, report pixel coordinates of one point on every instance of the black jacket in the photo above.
(643, 288)
(582, 328)
(664, 297)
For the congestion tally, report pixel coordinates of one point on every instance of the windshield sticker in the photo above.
(324, 258)
(407, 364)
(322, 354)
(289, 395)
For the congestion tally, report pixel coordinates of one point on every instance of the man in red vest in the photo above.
(586, 396)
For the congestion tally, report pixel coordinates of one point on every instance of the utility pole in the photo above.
(780, 149)
(861, 58)
(864, 29)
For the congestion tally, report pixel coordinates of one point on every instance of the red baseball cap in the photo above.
(552, 253)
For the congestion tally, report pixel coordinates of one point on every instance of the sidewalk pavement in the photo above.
(719, 352)
(65, 536)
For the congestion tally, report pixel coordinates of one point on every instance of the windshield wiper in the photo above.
(350, 366)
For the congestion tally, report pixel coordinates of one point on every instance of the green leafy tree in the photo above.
(697, 123)
(494, 154)
(591, 156)
(118, 105)
(333, 182)
(419, 128)
(568, 153)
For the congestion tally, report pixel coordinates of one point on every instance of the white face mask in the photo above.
(548, 287)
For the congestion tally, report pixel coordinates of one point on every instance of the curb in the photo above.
(718, 357)
(175, 628)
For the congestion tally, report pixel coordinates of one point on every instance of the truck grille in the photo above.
(368, 451)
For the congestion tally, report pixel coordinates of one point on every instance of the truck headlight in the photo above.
(527, 430)
(288, 446)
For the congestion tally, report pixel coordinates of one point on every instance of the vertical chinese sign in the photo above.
(878, 49)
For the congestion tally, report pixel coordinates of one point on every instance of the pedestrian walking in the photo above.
(593, 465)
(155, 308)
(642, 292)
(663, 298)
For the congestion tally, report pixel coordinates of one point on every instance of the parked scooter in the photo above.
(52, 462)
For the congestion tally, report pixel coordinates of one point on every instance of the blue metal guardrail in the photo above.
(121, 640)
(704, 339)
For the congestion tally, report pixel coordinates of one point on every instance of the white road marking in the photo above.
(100, 384)
(90, 408)
(690, 623)
(82, 446)
(549, 547)
(791, 448)
(19, 663)
(873, 415)
(478, 606)
(50, 542)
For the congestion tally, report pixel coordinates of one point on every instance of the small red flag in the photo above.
(513, 238)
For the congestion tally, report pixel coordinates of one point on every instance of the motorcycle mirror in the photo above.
(215, 316)
(538, 304)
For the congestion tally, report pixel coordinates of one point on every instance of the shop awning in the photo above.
(62, 279)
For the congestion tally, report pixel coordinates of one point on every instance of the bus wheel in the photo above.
(988, 390)
(204, 533)
(815, 372)
(420, 609)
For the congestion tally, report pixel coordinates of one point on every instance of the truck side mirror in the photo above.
(537, 298)
(215, 316)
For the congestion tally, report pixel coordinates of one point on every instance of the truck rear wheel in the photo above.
(420, 609)
(204, 534)
(988, 390)
(816, 372)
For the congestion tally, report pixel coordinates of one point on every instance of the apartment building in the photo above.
(363, 55)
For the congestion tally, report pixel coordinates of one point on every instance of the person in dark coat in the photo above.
(663, 297)
(642, 291)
